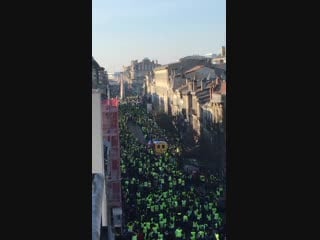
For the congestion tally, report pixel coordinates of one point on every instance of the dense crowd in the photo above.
(160, 200)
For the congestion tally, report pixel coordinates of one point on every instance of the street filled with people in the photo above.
(160, 200)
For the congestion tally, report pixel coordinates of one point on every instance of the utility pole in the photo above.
(122, 90)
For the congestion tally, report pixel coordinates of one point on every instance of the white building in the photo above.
(221, 58)
(98, 167)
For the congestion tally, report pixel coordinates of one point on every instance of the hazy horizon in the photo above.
(164, 30)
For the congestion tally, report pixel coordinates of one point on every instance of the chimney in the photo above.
(223, 51)
(217, 81)
(201, 83)
(189, 83)
(194, 82)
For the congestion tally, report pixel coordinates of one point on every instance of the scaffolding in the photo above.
(110, 128)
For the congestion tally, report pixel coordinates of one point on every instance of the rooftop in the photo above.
(161, 67)
(194, 69)
(196, 57)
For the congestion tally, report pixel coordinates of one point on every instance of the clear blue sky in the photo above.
(166, 30)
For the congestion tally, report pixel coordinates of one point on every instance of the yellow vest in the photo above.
(217, 236)
(178, 233)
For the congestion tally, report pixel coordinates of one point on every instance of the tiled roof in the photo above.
(95, 64)
(193, 57)
(177, 82)
(183, 87)
(221, 66)
(194, 69)
(219, 71)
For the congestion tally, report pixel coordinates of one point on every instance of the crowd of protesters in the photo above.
(160, 200)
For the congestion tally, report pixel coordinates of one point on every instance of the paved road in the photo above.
(137, 132)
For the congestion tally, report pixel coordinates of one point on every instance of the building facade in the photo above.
(168, 78)
(221, 58)
(135, 74)
(193, 92)
(100, 78)
(99, 203)
(213, 134)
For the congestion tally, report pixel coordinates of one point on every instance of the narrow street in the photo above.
(160, 199)
(136, 131)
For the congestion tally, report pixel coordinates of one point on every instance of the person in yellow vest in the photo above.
(189, 212)
(148, 225)
(178, 233)
(193, 235)
(162, 181)
(145, 230)
(130, 227)
(214, 210)
(160, 236)
(201, 234)
(199, 216)
(171, 225)
(185, 218)
(161, 224)
(134, 237)
(178, 151)
(155, 228)
(211, 178)
(161, 207)
(217, 236)
(156, 207)
(206, 206)
(202, 178)
(194, 224)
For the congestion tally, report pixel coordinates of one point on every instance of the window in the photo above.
(158, 146)
(163, 146)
